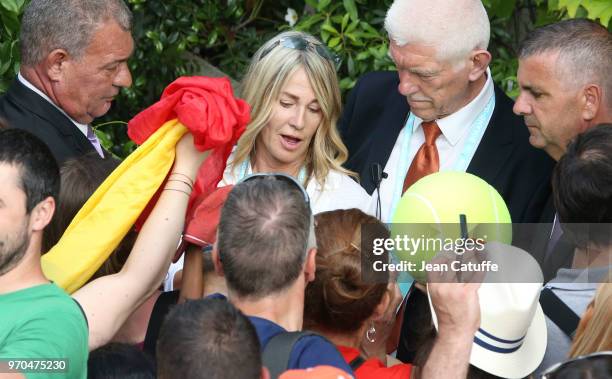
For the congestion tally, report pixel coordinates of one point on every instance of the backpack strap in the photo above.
(558, 312)
(356, 363)
(276, 353)
(162, 306)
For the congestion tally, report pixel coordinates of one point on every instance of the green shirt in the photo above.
(43, 322)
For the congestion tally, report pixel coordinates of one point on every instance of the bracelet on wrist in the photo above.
(181, 181)
(178, 190)
(183, 175)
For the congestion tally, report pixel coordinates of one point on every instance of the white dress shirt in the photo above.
(451, 143)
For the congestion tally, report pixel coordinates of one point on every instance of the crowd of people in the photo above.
(271, 280)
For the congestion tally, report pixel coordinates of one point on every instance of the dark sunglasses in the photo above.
(552, 370)
(299, 43)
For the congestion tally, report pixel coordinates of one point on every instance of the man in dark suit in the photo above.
(440, 111)
(566, 89)
(73, 63)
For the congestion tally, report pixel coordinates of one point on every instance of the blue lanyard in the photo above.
(244, 171)
(461, 164)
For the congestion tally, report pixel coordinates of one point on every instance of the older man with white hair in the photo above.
(440, 111)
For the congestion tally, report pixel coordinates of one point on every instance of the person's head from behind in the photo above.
(293, 91)
(78, 50)
(339, 300)
(208, 338)
(120, 361)
(80, 178)
(592, 366)
(29, 185)
(582, 188)
(564, 77)
(440, 50)
(265, 242)
(594, 332)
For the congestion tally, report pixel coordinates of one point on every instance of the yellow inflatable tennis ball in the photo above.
(426, 220)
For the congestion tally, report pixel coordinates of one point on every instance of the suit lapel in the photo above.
(31, 101)
(495, 147)
(394, 120)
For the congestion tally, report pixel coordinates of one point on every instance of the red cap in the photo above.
(201, 228)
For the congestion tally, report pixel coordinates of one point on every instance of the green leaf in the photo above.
(337, 19)
(159, 46)
(571, 5)
(599, 9)
(351, 66)
(351, 8)
(325, 36)
(368, 28)
(334, 42)
(11, 5)
(323, 4)
(356, 41)
(352, 26)
(362, 55)
(502, 8)
(327, 27)
(345, 21)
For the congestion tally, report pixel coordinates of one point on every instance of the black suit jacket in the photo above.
(376, 112)
(23, 108)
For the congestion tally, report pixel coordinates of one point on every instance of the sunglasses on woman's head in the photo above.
(282, 177)
(300, 43)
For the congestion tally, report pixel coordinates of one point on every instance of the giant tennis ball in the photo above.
(426, 220)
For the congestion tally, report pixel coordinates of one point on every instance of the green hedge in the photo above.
(228, 32)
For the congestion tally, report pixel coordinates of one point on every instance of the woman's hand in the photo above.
(188, 158)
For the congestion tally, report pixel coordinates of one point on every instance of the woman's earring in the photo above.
(371, 334)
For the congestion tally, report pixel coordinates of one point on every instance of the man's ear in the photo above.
(216, 258)
(479, 61)
(55, 64)
(42, 214)
(310, 266)
(592, 98)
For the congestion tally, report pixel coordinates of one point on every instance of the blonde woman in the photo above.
(293, 90)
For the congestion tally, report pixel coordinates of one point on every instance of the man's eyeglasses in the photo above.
(602, 356)
(300, 43)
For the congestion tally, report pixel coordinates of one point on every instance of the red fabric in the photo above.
(373, 368)
(208, 108)
(202, 227)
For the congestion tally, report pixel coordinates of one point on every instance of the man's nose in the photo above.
(408, 84)
(521, 105)
(123, 77)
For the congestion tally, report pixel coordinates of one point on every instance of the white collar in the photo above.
(25, 82)
(455, 126)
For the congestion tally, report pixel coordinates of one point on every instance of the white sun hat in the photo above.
(511, 339)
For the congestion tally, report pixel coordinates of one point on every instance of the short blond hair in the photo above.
(262, 85)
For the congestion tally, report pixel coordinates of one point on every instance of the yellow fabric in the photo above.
(112, 210)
